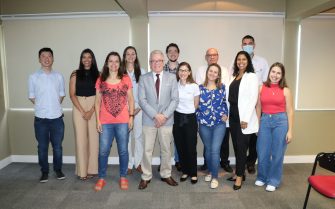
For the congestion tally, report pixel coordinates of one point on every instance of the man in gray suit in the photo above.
(158, 98)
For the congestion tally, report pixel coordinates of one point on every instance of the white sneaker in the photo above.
(214, 184)
(270, 188)
(259, 183)
(208, 178)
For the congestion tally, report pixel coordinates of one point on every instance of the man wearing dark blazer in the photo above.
(158, 98)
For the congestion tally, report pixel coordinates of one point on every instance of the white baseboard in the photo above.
(5, 162)
(155, 160)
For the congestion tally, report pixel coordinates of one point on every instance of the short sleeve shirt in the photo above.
(114, 100)
(187, 93)
(46, 89)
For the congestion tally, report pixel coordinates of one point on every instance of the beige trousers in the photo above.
(86, 139)
(164, 135)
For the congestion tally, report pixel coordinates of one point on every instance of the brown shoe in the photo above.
(139, 169)
(130, 171)
(170, 181)
(143, 184)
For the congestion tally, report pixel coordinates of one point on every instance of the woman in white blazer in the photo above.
(242, 97)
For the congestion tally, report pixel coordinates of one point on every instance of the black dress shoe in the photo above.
(234, 179)
(194, 180)
(178, 166)
(227, 168)
(251, 169)
(170, 181)
(203, 167)
(183, 177)
(235, 187)
(143, 184)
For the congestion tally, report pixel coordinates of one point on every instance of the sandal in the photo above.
(83, 178)
(124, 183)
(99, 185)
(90, 176)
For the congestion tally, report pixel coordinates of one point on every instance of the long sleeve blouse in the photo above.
(212, 106)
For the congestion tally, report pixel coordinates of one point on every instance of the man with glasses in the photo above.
(158, 98)
(212, 56)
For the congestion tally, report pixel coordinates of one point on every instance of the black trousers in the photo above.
(240, 144)
(252, 156)
(224, 151)
(185, 138)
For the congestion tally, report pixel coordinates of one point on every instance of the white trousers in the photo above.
(135, 137)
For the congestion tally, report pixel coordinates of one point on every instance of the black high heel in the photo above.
(235, 187)
(234, 179)
(183, 177)
(194, 180)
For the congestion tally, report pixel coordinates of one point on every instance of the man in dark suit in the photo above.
(158, 98)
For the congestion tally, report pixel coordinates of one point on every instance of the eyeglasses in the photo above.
(156, 61)
(211, 55)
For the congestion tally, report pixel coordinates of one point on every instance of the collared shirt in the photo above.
(167, 68)
(46, 89)
(160, 78)
(135, 85)
(261, 68)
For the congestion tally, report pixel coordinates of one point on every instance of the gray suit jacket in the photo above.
(149, 103)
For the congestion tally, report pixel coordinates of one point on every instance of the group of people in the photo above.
(168, 104)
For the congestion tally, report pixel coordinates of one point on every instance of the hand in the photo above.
(87, 115)
(160, 120)
(224, 118)
(244, 125)
(288, 137)
(131, 123)
(99, 127)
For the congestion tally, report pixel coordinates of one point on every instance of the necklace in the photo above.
(274, 90)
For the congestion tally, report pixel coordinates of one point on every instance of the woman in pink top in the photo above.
(275, 113)
(114, 106)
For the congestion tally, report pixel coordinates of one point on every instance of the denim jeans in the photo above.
(49, 130)
(212, 138)
(120, 132)
(271, 147)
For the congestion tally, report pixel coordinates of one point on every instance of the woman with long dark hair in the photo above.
(243, 94)
(82, 94)
(131, 65)
(185, 122)
(114, 106)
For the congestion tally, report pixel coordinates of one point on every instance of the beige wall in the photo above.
(5, 150)
(313, 130)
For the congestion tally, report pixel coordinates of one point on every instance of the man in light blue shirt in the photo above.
(46, 92)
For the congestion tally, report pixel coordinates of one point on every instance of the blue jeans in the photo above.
(49, 130)
(212, 138)
(271, 147)
(120, 132)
